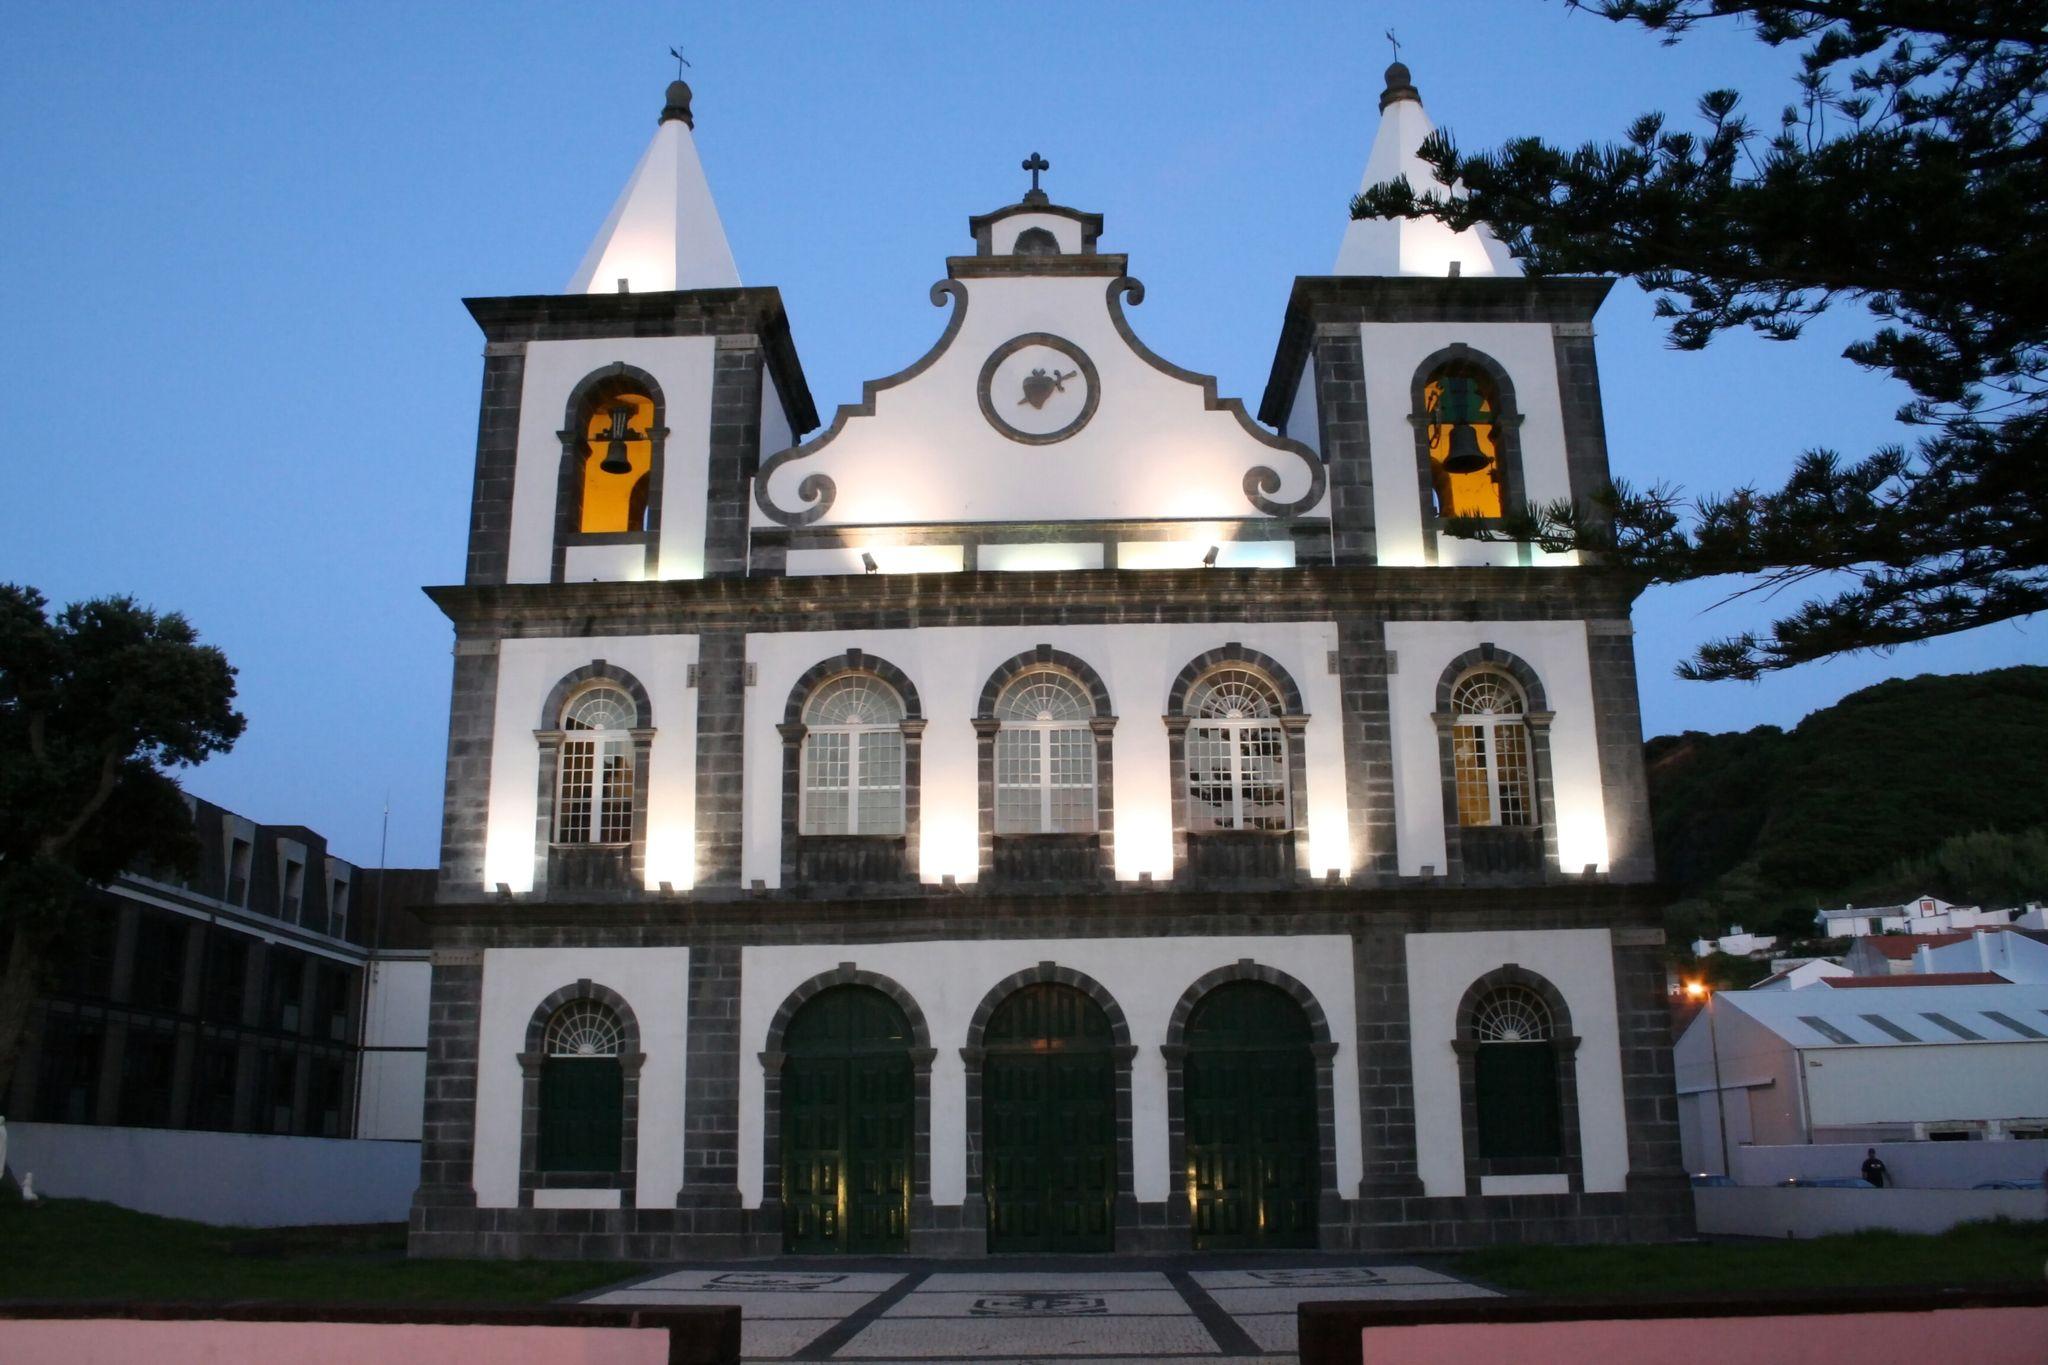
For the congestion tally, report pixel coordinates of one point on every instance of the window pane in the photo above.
(1211, 787)
(826, 780)
(1512, 742)
(881, 783)
(1262, 768)
(1468, 762)
(616, 809)
(1019, 800)
(572, 807)
(1073, 781)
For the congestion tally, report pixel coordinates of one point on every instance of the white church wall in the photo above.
(1580, 964)
(1303, 419)
(1393, 352)
(775, 432)
(654, 984)
(527, 672)
(928, 454)
(1556, 650)
(682, 366)
(1146, 977)
(1003, 234)
(949, 667)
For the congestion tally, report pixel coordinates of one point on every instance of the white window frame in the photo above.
(857, 745)
(1489, 727)
(1235, 731)
(605, 799)
(1038, 735)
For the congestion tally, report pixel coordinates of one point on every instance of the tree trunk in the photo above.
(17, 994)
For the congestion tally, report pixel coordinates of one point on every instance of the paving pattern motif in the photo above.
(953, 1316)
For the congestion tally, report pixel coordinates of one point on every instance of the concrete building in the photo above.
(1921, 915)
(1865, 1060)
(1048, 809)
(1737, 942)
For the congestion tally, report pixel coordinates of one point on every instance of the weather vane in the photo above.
(1396, 42)
(1034, 164)
(681, 61)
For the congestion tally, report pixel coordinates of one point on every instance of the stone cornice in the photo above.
(1073, 596)
(1320, 299)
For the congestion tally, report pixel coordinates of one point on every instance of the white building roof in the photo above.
(1412, 246)
(1898, 1015)
(664, 232)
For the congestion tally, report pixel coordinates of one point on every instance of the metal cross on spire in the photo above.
(1034, 164)
(681, 61)
(1396, 42)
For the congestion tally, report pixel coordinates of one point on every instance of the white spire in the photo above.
(1412, 246)
(664, 232)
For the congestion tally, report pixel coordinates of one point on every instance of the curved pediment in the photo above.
(1038, 404)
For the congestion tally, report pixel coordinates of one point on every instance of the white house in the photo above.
(1921, 915)
(1737, 942)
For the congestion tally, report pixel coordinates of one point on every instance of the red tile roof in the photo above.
(1929, 979)
(1901, 947)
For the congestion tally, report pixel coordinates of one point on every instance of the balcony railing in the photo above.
(850, 859)
(1239, 855)
(1501, 850)
(1048, 857)
(590, 867)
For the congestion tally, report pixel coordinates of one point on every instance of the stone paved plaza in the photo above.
(935, 1312)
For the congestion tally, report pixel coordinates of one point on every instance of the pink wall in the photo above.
(1982, 1336)
(88, 1341)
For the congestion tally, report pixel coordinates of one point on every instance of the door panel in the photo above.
(1250, 1103)
(1049, 1123)
(848, 1110)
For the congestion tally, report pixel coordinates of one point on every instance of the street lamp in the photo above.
(1699, 990)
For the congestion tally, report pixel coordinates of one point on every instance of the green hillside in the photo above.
(1936, 783)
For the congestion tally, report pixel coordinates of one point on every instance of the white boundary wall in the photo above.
(1912, 1165)
(1783, 1211)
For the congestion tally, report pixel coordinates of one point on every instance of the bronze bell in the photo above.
(1465, 456)
(616, 460)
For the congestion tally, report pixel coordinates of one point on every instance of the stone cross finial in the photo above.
(1034, 164)
(681, 61)
(1396, 42)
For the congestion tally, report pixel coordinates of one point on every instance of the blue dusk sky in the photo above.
(241, 384)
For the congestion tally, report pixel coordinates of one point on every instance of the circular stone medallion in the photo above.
(1038, 388)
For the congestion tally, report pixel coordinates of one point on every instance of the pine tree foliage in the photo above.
(1908, 176)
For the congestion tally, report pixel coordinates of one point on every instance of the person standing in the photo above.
(1874, 1168)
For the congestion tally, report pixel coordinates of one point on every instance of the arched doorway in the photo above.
(1254, 1166)
(848, 1112)
(1048, 1117)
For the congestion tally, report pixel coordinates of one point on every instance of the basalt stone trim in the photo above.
(721, 755)
(1585, 426)
(975, 1053)
(1323, 300)
(923, 1216)
(1618, 735)
(1366, 715)
(497, 457)
(1386, 1063)
(626, 1178)
(849, 852)
(1103, 726)
(466, 795)
(1324, 1047)
(735, 453)
(590, 391)
(1570, 1162)
(711, 1092)
(1537, 718)
(1463, 1223)
(448, 1115)
(1346, 441)
(1648, 1085)
(1250, 861)
(550, 737)
(1507, 438)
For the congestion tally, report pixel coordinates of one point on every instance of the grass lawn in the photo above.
(77, 1249)
(1976, 1253)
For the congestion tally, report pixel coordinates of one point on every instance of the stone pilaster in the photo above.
(721, 755)
(1618, 736)
(735, 453)
(1368, 744)
(448, 1127)
(497, 452)
(466, 800)
(1339, 375)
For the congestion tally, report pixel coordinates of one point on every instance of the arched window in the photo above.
(594, 787)
(853, 758)
(1460, 404)
(1037, 241)
(1515, 1076)
(1490, 751)
(617, 473)
(1045, 756)
(582, 1090)
(1236, 753)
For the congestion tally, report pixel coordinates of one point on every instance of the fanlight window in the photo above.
(1512, 1014)
(583, 1028)
(594, 789)
(1460, 401)
(1236, 754)
(1490, 751)
(1045, 757)
(853, 758)
(619, 461)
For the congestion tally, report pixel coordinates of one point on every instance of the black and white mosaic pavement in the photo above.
(943, 1313)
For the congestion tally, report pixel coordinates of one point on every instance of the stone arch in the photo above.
(631, 1059)
(569, 480)
(1043, 858)
(849, 860)
(1238, 855)
(922, 1053)
(1465, 1043)
(1507, 426)
(574, 871)
(973, 1054)
(1491, 854)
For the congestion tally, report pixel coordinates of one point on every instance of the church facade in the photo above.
(1049, 808)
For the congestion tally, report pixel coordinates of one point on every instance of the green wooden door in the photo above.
(1048, 1112)
(1254, 1163)
(848, 1106)
(1519, 1114)
(582, 1100)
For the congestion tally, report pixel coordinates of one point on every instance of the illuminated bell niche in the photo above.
(618, 468)
(1464, 454)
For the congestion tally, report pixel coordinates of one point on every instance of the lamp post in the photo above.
(1699, 990)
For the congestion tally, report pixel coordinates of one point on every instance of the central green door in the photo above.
(1048, 1106)
(1254, 1164)
(847, 1112)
